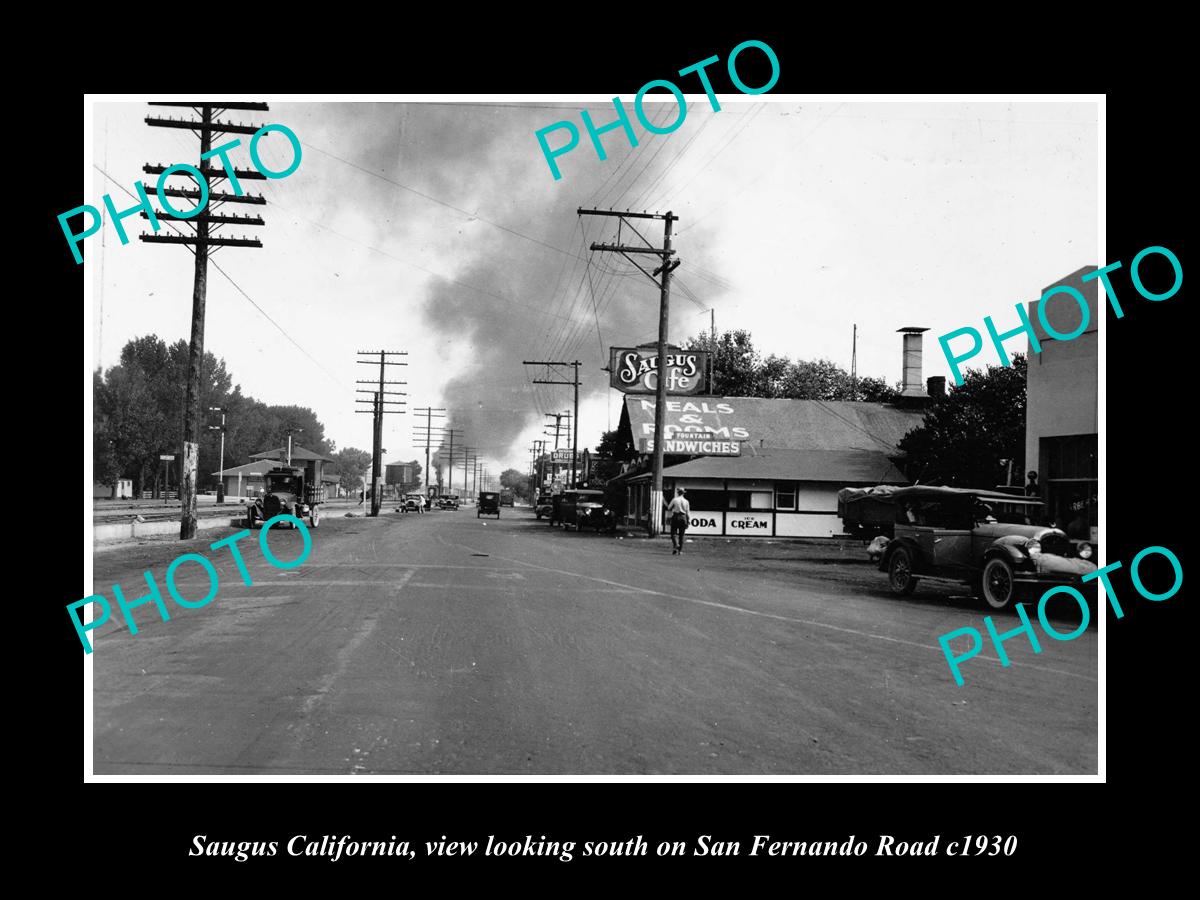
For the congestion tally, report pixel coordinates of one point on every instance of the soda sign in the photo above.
(635, 370)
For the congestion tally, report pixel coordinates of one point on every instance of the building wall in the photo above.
(1063, 387)
(777, 508)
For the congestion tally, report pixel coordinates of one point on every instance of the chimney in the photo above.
(935, 386)
(911, 362)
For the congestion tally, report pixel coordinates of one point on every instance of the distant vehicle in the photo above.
(506, 497)
(448, 501)
(289, 491)
(954, 534)
(585, 509)
(489, 504)
(543, 506)
(414, 503)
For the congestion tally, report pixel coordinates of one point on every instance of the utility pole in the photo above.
(664, 285)
(221, 467)
(575, 383)
(854, 364)
(379, 406)
(199, 243)
(450, 433)
(429, 417)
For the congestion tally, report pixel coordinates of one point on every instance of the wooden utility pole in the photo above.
(429, 417)
(379, 407)
(199, 243)
(575, 383)
(666, 268)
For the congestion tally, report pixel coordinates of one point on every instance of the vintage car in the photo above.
(413, 503)
(584, 509)
(289, 491)
(543, 506)
(448, 501)
(957, 535)
(489, 504)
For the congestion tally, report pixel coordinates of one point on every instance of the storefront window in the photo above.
(785, 495)
(706, 500)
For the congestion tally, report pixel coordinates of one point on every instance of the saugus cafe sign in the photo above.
(634, 370)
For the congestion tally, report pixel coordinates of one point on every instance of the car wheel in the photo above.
(997, 583)
(314, 519)
(900, 572)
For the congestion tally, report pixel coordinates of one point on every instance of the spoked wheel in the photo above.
(314, 519)
(900, 572)
(998, 584)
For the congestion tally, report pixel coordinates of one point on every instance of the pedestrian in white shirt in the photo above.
(679, 513)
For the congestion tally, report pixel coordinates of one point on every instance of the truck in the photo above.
(290, 490)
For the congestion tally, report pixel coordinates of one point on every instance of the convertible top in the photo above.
(935, 492)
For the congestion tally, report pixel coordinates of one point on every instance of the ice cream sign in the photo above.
(635, 370)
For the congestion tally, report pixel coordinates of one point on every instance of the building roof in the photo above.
(778, 424)
(839, 466)
(298, 452)
(255, 468)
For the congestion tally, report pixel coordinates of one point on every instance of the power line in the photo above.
(241, 291)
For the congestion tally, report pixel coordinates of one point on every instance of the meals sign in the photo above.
(635, 370)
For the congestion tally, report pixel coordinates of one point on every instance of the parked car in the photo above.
(956, 535)
(413, 503)
(448, 501)
(543, 506)
(585, 509)
(489, 504)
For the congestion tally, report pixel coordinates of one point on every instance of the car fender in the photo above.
(1007, 548)
(894, 545)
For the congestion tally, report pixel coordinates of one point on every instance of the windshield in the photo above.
(283, 484)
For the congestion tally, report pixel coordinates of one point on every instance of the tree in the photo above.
(517, 482)
(610, 453)
(740, 371)
(351, 465)
(965, 435)
(138, 414)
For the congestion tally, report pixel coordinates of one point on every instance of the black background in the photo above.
(1148, 493)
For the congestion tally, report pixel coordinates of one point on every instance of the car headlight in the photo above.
(1085, 551)
(1033, 547)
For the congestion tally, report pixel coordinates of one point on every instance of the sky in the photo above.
(438, 229)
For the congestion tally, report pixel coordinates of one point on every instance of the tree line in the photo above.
(138, 415)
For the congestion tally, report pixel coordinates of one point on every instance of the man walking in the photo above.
(680, 512)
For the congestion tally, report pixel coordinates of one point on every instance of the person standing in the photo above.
(679, 512)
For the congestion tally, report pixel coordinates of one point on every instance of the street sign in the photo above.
(167, 456)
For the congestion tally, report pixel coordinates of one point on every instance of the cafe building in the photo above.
(755, 467)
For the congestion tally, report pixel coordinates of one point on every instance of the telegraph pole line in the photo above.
(379, 407)
(557, 417)
(429, 417)
(450, 433)
(199, 243)
(667, 266)
(575, 383)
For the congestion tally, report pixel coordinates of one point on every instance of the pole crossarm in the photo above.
(262, 107)
(192, 124)
(211, 218)
(213, 196)
(627, 214)
(198, 241)
(623, 248)
(209, 172)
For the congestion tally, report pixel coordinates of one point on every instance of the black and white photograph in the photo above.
(704, 432)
